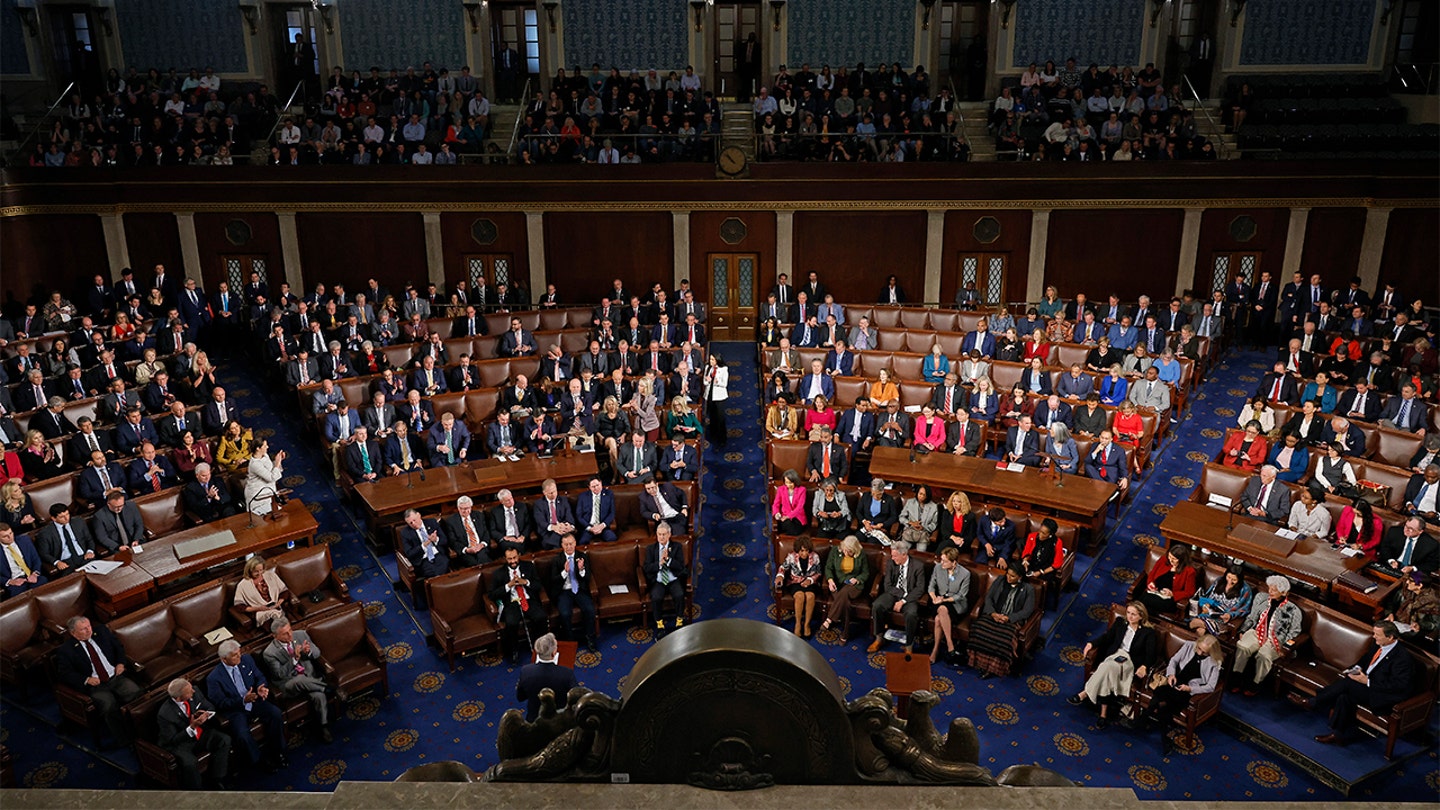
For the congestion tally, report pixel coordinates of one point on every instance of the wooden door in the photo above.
(989, 272)
(515, 25)
(235, 270)
(1225, 267)
(964, 50)
(733, 280)
(287, 22)
(481, 272)
(734, 22)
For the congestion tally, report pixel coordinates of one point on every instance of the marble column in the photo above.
(784, 246)
(189, 246)
(680, 236)
(1372, 247)
(116, 249)
(290, 250)
(434, 249)
(934, 247)
(535, 244)
(1295, 241)
(1039, 235)
(1189, 249)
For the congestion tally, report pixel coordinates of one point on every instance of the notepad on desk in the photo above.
(614, 589)
(100, 566)
(214, 637)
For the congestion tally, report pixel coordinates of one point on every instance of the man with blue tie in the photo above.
(425, 549)
(1405, 412)
(1422, 495)
(839, 360)
(570, 589)
(1407, 548)
(1113, 311)
(225, 325)
(241, 693)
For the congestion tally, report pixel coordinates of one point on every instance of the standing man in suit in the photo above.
(666, 573)
(293, 663)
(64, 544)
(513, 588)
(570, 589)
(422, 545)
(241, 692)
(183, 721)
(21, 562)
(1382, 677)
(595, 514)
(468, 534)
(545, 673)
(93, 662)
(900, 590)
(1266, 498)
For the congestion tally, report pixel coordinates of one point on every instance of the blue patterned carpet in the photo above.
(434, 714)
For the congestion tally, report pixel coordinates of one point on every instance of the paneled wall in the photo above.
(13, 40)
(62, 251)
(179, 33)
(153, 239)
(855, 251)
(638, 34)
(584, 251)
(844, 32)
(1307, 32)
(705, 240)
(1332, 243)
(390, 247)
(215, 245)
(394, 34)
(1220, 232)
(1012, 243)
(1106, 32)
(1411, 245)
(1127, 252)
(458, 240)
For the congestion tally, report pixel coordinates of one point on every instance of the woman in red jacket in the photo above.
(1247, 450)
(1171, 582)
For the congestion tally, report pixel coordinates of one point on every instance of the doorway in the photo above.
(482, 271)
(987, 271)
(964, 51)
(235, 270)
(732, 284)
(295, 63)
(734, 23)
(76, 49)
(515, 25)
(1226, 267)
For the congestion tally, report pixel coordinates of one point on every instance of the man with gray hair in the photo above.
(900, 591)
(545, 673)
(93, 662)
(293, 663)
(182, 721)
(1273, 623)
(1266, 498)
(241, 693)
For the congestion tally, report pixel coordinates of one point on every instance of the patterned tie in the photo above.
(570, 569)
(520, 595)
(665, 576)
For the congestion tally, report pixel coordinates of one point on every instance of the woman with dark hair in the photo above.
(1043, 555)
(1358, 529)
(717, 395)
(830, 510)
(789, 505)
(1220, 607)
(779, 386)
(1170, 583)
(994, 643)
(799, 578)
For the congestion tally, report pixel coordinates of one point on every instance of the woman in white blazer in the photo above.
(717, 394)
(263, 478)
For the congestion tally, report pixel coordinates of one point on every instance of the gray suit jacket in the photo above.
(1158, 401)
(279, 666)
(104, 524)
(941, 584)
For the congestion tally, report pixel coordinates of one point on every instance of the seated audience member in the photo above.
(1405, 412)
(1422, 495)
(1290, 458)
(149, 472)
(21, 562)
(1193, 670)
(260, 592)
(117, 524)
(1022, 443)
(666, 573)
(183, 721)
(504, 439)
(665, 503)
(295, 666)
(1126, 650)
(1221, 607)
(878, 512)
(449, 441)
(1349, 437)
(637, 460)
(1414, 608)
(64, 544)
(99, 477)
(1405, 548)
(994, 644)
(422, 545)
(552, 515)
(1170, 583)
(92, 661)
(679, 461)
(1272, 625)
(1308, 516)
(799, 578)
(782, 421)
(1245, 451)
(240, 692)
(1383, 676)
(902, 586)
(468, 534)
(595, 514)
(1265, 497)
(510, 524)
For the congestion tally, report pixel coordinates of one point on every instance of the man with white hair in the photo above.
(1266, 498)
(182, 720)
(545, 673)
(240, 693)
(293, 662)
(1273, 623)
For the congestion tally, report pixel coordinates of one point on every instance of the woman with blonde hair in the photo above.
(261, 592)
(202, 376)
(611, 427)
(38, 458)
(642, 409)
(147, 368)
(16, 509)
(1125, 651)
(680, 420)
(847, 576)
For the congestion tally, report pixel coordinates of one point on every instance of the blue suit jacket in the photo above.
(1126, 341)
(332, 424)
(985, 345)
(846, 364)
(128, 438)
(460, 436)
(1113, 466)
(686, 473)
(845, 427)
(585, 504)
(221, 690)
(827, 386)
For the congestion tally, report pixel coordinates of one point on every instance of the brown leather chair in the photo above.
(920, 342)
(914, 319)
(458, 613)
(1396, 478)
(1005, 375)
(23, 647)
(201, 610)
(944, 320)
(786, 454)
(613, 565)
(162, 512)
(151, 640)
(950, 344)
(353, 660)
(1218, 480)
(1068, 354)
(850, 389)
(1393, 447)
(630, 525)
(890, 340)
(970, 320)
(915, 393)
(884, 317)
(43, 494)
(1201, 707)
(309, 573)
(905, 367)
(485, 347)
(61, 600)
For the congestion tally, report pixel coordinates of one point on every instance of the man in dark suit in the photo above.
(64, 544)
(19, 562)
(1106, 461)
(34, 393)
(545, 673)
(360, 457)
(826, 459)
(503, 438)
(402, 451)
(379, 417)
(569, 588)
(1052, 411)
(783, 290)
(240, 692)
(117, 523)
(514, 588)
(1359, 402)
(471, 324)
(679, 461)
(1277, 386)
(418, 414)
(99, 477)
(1405, 412)
(422, 545)
(665, 503)
(901, 589)
(553, 518)
(1339, 431)
(464, 377)
(510, 523)
(449, 441)
(948, 397)
(1022, 443)
(93, 662)
(857, 426)
(149, 472)
(52, 421)
(666, 572)
(595, 514)
(1406, 548)
(1266, 498)
(516, 342)
(173, 425)
(1422, 493)
(468, 534)
(208, 498)
(186, 732)
(1384, 675)
(963, 437)
(1293, 304)
(840, 360)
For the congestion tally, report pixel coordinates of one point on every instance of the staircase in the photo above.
(975, 115)
(1215, 133)
(737, 128)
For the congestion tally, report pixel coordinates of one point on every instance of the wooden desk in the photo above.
(906, 674)
(135, 583)
(1083, 500)
(1311, 561)
(386, 499)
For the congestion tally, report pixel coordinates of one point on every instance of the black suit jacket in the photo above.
(172, 721)
(839, 460)
(675, 563)
(535, 677)
(501, 577)
(72, 663)
(1426, 556)
(413, 549)
(1393, 678)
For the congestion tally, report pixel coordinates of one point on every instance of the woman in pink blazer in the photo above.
(929, 429)
(789, 505)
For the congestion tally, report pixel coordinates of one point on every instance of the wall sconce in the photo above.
(250, 9)
(550, 6)
(699, 7)
(326, 9)
(1006, 6)
(25, 10)
(474, 10)
(777, 7)
(929, 6)
(1385, 12)
(1158, 6)
(1237, 7)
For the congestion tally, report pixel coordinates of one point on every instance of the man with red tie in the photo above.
(513, 588)
(93, 662)
(1106, 461)
(693, 332)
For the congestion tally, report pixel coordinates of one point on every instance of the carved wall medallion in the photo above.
(1243, 228)
(986, 230)
(484, 232)
(733, 231)
(237, 232)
